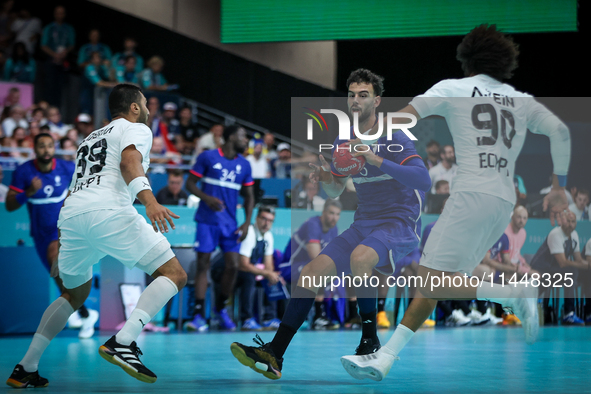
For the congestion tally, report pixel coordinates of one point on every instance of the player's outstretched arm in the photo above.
(332, 185)
(135, 177)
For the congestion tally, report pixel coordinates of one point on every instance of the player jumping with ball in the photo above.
(488, 120)
(385, 229)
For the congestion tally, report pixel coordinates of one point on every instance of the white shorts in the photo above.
(122, 234)
(468, 227)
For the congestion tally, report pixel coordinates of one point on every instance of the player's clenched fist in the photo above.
(36, 184)
(159, 215)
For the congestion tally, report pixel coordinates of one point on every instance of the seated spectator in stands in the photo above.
(84, 126)
(97, 72)
(34, 129)
(213, 139)
(127, 72)
(433, 157)
(256, 259)
(68, 145)
(269, 148)
(57, 42)
(3, 187)
(258, 162)
(579, 206)
(16, 119)
(12, 98)
(73, 135)
(38, 114)
(559, 254)
(442, 187)
(308, 198)
(55, 124)
(516, 233)
(155, 116)
(281, 167)
(94, 46)
(435, 201)
(165, 156)
(19, 134)
(20, 67)
(173, 193)
(188, 132)
(151, 78)
(170, 120)
(446, 169)
(27, 29)
(120, 59)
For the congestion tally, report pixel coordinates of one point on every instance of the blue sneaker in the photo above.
(251, 325)
(572, 319)
(197, 324)
(271, 325)
(224, 322)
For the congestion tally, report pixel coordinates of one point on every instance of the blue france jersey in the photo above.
(309, 232)
(44, 206)
(501, 246)
(221, 178)
(381, 197)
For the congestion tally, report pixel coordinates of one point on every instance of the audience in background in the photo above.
(15, 119)
(87, 51)
(127, 72)
(579, 206)
(188, 132)
(120, 59)
(55, 124)
(20, 67)
(258, 162)
(173, 193)
(433, 157)
(151, 78)
(213, 139)
(27, 29)
(281, 166)
(446, 169)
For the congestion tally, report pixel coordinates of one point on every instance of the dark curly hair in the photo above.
(486, 50)
(363, 75)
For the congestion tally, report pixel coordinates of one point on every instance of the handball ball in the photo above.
(345, 163)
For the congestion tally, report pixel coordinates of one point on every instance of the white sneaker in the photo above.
(523, 303)
(373, 366)
(458, 319)
(75, 321)
(478, 318)
(87, 329)
(492, 319)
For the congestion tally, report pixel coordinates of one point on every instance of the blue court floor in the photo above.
(454, 360)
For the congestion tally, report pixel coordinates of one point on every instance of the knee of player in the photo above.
(361, 260)
(180, 279)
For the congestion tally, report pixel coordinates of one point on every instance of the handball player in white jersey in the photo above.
(98, 219)
(488, 120)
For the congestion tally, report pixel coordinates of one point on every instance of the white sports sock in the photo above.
(399, 339)
(53, 321)
(494, 292)
(154, 297)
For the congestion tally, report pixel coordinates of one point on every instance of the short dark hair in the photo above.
(39, 136)
(44, 127)
(332, 203)
(440, 183)
(486, 50)
(582, 191)
(121, 98)
(175, 172)
(229, 130)
(266, 208)
(363, 75)
(433, 142)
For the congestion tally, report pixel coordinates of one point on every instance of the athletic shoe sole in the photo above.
(259, 367)
(22, 385)
(359, 372)
(113, 359)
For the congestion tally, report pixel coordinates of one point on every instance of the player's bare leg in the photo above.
(53, 321)
(121, 350)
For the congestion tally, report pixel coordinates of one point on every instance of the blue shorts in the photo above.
(41, 245)
(392, 240)
(211, 236)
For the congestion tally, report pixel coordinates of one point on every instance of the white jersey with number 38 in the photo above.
(97, 182)
(488, 121)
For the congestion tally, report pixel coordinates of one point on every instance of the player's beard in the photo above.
(43, 160)
(143, 118)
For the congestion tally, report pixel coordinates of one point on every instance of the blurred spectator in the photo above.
(55, 124)
(168, 126)
(21, 67)
(38, 115)
(87, 51)
(12, 98)
(269, 150)
(159, 148)
(34, 129)
(173, 193)
(127, 72)
(120, 59)
(188, 131)
(433, 158)
(442, 187)
(27, 29)
(3, 187)
(84, 126)
(560, 254)
(6, 18)
(446, 169)
(308, 198)
(19, 134)
(69, 145)
(213, 139)
(57, 42)
(258, 162)
(579, 207)
(16, 119)
(97, 74)
(281, 167)
(154, 117)
(73, 136)
(151, 78)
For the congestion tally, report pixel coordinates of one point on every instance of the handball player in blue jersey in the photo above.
(42, 184)
(222, 173)
(391, 189)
